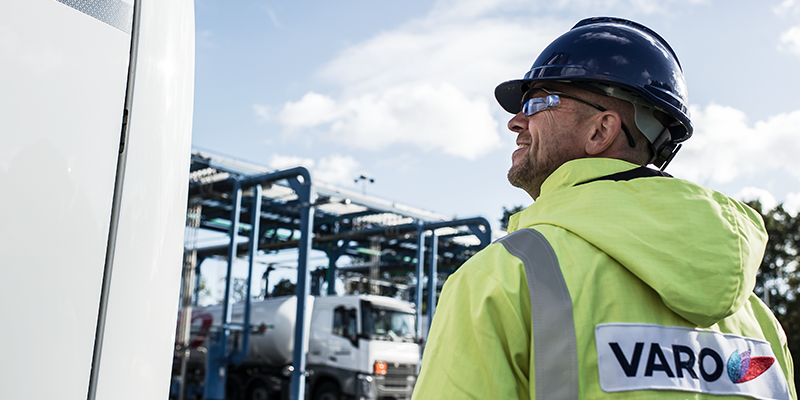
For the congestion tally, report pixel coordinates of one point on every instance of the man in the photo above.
(619, 281)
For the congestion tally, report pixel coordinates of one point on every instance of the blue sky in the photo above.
(403, 91)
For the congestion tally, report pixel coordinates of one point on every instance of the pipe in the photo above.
(238, 356)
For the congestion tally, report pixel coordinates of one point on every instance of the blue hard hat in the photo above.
(615, 52)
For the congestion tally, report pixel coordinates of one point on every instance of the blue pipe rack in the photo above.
(224, 201)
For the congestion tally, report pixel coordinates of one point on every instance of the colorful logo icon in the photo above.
(743, 368)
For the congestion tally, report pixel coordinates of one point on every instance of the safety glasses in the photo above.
(539, 104)
(532, 104)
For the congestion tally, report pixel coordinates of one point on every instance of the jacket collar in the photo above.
(572, 173)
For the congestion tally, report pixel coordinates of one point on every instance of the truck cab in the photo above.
(365, 345)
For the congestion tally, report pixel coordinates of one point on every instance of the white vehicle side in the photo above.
(95, 134)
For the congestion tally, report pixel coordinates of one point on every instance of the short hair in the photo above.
(642, 153)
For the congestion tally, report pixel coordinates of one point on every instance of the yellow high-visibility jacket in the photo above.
(642, 289)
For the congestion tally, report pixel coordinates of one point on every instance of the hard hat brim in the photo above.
(509, 94)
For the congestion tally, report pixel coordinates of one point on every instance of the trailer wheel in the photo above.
(327, 391)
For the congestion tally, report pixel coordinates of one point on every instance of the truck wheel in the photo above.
(327, 391)
(258, 390)
(233, 388)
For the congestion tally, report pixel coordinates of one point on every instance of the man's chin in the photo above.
(522, 176)
(516, 177)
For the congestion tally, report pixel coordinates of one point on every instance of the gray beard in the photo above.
(522, 175)
(529, 177)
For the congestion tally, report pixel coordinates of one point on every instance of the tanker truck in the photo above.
(360, 347)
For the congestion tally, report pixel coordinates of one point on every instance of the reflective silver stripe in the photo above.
(554, 345)
(116, 13)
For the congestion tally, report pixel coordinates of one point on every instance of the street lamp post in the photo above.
(364, 179)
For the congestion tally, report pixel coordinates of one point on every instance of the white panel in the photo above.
(62, 88)
(143, 298)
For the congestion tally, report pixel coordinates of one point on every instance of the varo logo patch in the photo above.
(654, 357)
(740, 367)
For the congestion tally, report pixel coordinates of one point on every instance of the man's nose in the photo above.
(518, 122)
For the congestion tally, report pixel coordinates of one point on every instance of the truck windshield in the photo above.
(387, 324)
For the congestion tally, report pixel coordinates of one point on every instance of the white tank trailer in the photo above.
(360, 347)
(272, 338)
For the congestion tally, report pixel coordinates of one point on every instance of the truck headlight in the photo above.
(381, 368)
(366, 386)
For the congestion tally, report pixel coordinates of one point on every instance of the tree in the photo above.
(777, 281)
(507, 213)
(239, 290)
(204, 292)
(284, 287)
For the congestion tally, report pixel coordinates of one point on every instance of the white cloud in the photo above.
(311, 110)
(337, 169)
(476, 8)
(430, 82)
(792, 203)
(768, 201)
(280, 162)
(725, 147)
(750, 193)
(432, 118)
(262, 111)
(425, 85)
(790, 41)
(334, 169)
(787, 7)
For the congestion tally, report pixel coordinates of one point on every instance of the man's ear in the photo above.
(607, 125)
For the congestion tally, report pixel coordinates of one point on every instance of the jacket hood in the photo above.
(697, 248)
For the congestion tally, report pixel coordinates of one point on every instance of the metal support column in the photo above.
(217, 357)
(239, 355)
(330, 276)
(333, 256)
(432, 278)
(305, 194)
(420, 275)
(198, 283)
(193, 214)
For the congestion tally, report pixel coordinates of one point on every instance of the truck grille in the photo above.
(396, 384)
